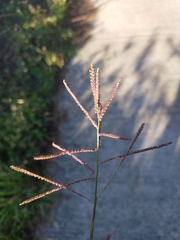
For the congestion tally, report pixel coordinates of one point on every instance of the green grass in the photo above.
(35, 43)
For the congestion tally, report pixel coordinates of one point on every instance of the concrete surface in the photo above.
(138, 40)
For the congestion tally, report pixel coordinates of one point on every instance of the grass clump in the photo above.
(100, 112)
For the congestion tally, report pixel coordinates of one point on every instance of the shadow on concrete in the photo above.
(149, 181)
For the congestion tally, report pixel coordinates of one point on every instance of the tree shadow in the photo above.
(148, 182)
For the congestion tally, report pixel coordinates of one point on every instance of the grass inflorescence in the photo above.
(99, 111)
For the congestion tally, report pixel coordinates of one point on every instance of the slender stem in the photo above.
(96, 179)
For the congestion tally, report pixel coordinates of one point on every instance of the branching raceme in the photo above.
(100, 111)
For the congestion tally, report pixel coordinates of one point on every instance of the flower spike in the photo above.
(39, 196)
(80, 105)
(93, 87)
(73, 156)
(124, 157)
(110, 135)
(60, 186)
(138, 151)
(110, 99)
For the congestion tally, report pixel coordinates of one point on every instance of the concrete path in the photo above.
(138, 40)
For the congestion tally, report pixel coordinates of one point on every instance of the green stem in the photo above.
(96, 179)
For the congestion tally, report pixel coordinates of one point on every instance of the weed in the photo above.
(100, 111)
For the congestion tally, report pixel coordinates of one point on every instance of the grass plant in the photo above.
(100, 112)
